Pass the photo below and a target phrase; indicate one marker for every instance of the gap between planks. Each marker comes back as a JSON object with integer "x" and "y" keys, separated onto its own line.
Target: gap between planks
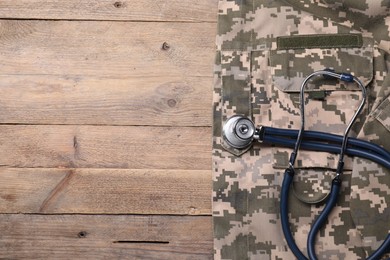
{"x": 144, "y": 10}
{"x": 107, "y": 20}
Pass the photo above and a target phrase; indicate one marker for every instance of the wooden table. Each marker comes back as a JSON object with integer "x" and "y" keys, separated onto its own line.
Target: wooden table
{"x": 105, "y": 129}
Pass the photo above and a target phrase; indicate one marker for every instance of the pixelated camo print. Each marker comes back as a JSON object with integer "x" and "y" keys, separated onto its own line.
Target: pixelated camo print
{"x": 254, "y": 77}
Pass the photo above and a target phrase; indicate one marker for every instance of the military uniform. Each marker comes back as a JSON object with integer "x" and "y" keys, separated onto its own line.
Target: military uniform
{"x": 265, "y": 49}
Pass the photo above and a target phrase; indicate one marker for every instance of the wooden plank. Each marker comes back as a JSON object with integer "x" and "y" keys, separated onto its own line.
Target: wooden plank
{"x": 143, "y": 10}
{"x": 169, "y": 101}
{"x": 105, "y": 237}
{"x": 128, "y": 147}
{"x": 105, "y": 191}
{"x": 111, "y": 49}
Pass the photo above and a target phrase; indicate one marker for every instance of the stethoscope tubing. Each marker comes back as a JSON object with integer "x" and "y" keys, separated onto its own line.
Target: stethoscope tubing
{"x": 383, "y": 249}
{"x": 319, "y": 222}
{"x": 331, "y": 202}
{"x": 378, "y": 156}
{"x": 327, "y": 137}
{"x": 235, "y": 135}
{"x": 287, "y": 180}
{"x": 330, "y": 148}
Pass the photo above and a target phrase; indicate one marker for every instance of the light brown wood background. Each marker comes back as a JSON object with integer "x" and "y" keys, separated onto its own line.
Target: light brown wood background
{"x": 105, "y": 137}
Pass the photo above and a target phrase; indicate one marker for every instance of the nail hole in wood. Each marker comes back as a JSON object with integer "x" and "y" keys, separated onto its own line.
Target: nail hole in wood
{"x": 118, "y": 4}
{"x": 165, "y": 46}
{"x": 82, "y": 234}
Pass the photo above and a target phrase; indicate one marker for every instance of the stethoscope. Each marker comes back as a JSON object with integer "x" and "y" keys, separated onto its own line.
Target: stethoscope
{"x": 239, "y": 132}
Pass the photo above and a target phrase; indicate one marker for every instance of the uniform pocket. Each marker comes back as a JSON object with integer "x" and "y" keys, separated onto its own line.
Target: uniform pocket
{"x": 329, "y": 106}
{"x": 290, "y": 67}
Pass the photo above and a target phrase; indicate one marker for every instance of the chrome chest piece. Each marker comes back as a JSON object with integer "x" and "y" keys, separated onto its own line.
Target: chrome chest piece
{"x": 239, "y": 132}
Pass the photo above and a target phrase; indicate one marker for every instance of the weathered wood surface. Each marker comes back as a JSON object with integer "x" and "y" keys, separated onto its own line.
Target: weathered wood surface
{"x": 112, "y": 49}
{"x": 105, "y": 191}
{"x": 129, "y": 147}
{"x": 159, "y": 101}
{"x": 97, "y": 118}
{"x": 67, "y": 72}
{"x": 104, "y": 237}
{"x": 142, "y": 10}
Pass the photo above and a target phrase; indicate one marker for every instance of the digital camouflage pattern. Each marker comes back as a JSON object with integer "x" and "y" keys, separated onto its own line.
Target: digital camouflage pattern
{"x": 257, "y": 78}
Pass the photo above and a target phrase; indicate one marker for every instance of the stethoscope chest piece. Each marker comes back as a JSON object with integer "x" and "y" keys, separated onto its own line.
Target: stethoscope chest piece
{"x": 238, "y": 132}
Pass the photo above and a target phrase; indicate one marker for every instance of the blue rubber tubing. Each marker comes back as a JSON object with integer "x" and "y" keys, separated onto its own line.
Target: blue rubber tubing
{"x": 288, "y": 177}
{"x": 287, "y": 180}
{"x": 319, "y": 222}
{"x": 383, "y": 249}
{"x": 330, "y": 148}
{"x": 326, "y": 137}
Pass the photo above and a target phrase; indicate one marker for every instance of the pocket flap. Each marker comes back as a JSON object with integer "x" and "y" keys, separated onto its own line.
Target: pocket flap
{"x": 291, "y": 66}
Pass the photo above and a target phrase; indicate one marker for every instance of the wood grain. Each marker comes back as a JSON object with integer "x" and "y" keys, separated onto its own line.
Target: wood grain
{"x": 105, "y": 191}
{"x": 142, "y": 10}
{"x": 97, "y": 118}
{"x": 106, "y": 49}
{"x": 128, "y": 147}
{"x": 105, "y": 237}
{"x": 160, "y": 101}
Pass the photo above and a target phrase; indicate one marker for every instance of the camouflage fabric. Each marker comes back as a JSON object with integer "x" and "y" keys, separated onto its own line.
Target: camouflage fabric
{"x": 257, "y": 77}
